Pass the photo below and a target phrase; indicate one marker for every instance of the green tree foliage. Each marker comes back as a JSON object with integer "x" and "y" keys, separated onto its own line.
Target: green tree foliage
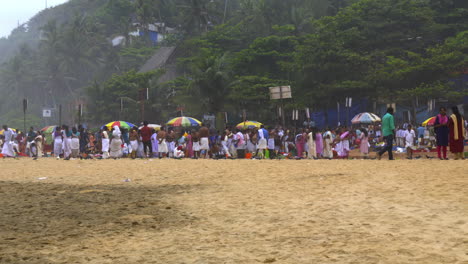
{"x": 119, "y": 98}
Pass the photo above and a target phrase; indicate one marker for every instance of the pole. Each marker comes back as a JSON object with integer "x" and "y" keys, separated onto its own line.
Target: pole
{"x": 79, "y": 114}
{"x": 142, "y": 102}
{"x": 338, "y": 107}
{"x": 60, "y": 115}
{"x": 347, "y": 110}
{"x": 282, "y": 106}
{"x": 121, "y": 108}
{"x": 225, "y": 10}
{"x": 244, "y": 116}
{"x": 25, "y": 106}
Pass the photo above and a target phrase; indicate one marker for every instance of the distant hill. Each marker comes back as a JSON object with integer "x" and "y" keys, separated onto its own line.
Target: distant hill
{"x": 29, "y": 32}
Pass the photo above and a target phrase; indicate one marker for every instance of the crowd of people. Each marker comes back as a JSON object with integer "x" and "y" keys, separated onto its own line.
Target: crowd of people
{"x": 250, "y": 143}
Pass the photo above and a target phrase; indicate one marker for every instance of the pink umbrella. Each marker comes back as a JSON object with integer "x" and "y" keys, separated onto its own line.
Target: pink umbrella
{"x": 344, "y": 135}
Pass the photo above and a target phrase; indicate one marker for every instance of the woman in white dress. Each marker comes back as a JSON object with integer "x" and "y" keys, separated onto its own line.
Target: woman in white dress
{"x": 224, "y": 144}
{"x": 134, "y": 137}
{"x": 116, "y": 143}
{"x": 75, "y": 143}
{"x": 58, "y": 142}
{"x": 38, "y": 141}
{"x": 66, "y": 133}
{"x": 7, "y": 149}
{"x": 327, "y": 145}
{"x": 105, "y": 143}
{"x": 311, "y": 152}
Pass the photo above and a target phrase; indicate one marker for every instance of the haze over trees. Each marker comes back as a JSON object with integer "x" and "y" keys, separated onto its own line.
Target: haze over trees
{"x": 230, "y": 52}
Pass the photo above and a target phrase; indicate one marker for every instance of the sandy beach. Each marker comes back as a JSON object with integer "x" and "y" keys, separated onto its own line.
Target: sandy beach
{"x": 233, "y": 211}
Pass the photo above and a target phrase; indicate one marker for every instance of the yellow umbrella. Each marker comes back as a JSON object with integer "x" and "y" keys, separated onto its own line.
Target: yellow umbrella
{"x": 249, "y": 124}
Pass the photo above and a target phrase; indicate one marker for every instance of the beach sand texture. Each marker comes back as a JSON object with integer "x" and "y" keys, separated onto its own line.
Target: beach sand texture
{"x": 233, "y": 211}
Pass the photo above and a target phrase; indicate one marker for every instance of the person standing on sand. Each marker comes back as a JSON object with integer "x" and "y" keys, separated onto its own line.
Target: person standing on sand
{"x": 134, "y": 142}
{"x": 67, "y": 134}
{"x": 262, "y": 141}
{"x": 311, "y": 143}
{"x": 409, "y": 137}
{"x": 105, "y": 143}
{"x": 327, "y": 145}
{"x": 318, "y": 143}
{"x": 170, "y": 137}
{"x": 196, "y": 144}
{"x": 457, "y": 133}
{"x": 442, "y": 133}
{"x": 154, "y": 143}
{"x": 84, "y": 139}
{"x": 7, "y": 150}
{"x": 239, "y": 143}
{"x": 204, "y": 141}
{"x": 39, "y": 143}
{"x": 31, "y": 135}
{"x": 58, "y": 140}
{"x": 75, "y": 143}
{"x": 162, "y": 145}
{"x": 388, "y": 132}
{"x": 189, "y": 144}
{"x": 300, "y": 142}
{"x": 145, "y": 132}
{"x": 271, "y": 143}
{"x": 364, "y": 144}
{"x": 116, "y": 143}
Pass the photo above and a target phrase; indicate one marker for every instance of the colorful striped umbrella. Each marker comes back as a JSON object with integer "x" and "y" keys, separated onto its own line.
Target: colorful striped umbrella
{"x": 184, "y": 121}
{"x": 153, "y": 126}
{"x": 48, "y": 129}
{"x": 365, "y": 118}
{"x": 429, "y": 121}
{"x": 120, "y": 124}
{"x": 249, "y": 124}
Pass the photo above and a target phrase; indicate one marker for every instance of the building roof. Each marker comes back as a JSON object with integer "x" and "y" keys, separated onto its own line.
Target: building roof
{"x": 158, "y": 60}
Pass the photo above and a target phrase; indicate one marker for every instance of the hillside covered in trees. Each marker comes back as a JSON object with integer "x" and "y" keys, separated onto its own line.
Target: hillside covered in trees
{"x": 229, "y": 52}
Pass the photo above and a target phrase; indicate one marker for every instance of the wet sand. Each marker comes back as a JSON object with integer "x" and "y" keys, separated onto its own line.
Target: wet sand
{"x": 233, "y": 211}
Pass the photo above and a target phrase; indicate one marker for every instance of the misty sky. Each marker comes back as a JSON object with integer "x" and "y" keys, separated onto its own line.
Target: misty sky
{"x": 12, "y": 11}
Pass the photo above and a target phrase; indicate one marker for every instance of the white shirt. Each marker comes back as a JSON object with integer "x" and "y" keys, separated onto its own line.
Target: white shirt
{"x": 8, "y": 135}
{"x": 261, "y": 134}
{"x": 409, "y": 136}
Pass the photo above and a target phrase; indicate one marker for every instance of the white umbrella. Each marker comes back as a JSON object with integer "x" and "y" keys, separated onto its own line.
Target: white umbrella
{"x": 153, "y": 126}
{"x": 365, "y": 118}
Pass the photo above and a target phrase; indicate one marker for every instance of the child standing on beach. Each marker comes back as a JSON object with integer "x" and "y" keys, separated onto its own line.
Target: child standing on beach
{"x": 364, "y": 144}
{"x": 409, "y": 136}
{"x": 327, "y": 145}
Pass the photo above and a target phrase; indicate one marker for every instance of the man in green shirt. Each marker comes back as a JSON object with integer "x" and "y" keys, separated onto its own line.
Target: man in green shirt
{"x": 388, "y": 133}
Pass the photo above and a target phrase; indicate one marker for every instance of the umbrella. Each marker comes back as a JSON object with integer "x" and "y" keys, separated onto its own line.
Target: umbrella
{"x": 249, "y": 124}
{"x": 1, "y": 131}
{"x": 153, "y": 126}
{"x": 120, "y": 124}
{"x": 345, "y": 134}
{"x": 48, "y": 129}
{"x": 365, "y": 118}
{"x": 429, "y": 121}
{"x": 184, "y": 122}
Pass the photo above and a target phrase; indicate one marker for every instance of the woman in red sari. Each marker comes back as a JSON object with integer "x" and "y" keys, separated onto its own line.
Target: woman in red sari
{"x": 457, "y": 133}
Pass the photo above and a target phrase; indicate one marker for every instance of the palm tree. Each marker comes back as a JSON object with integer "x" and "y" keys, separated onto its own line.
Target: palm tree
{"x": 212, "y": 80}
